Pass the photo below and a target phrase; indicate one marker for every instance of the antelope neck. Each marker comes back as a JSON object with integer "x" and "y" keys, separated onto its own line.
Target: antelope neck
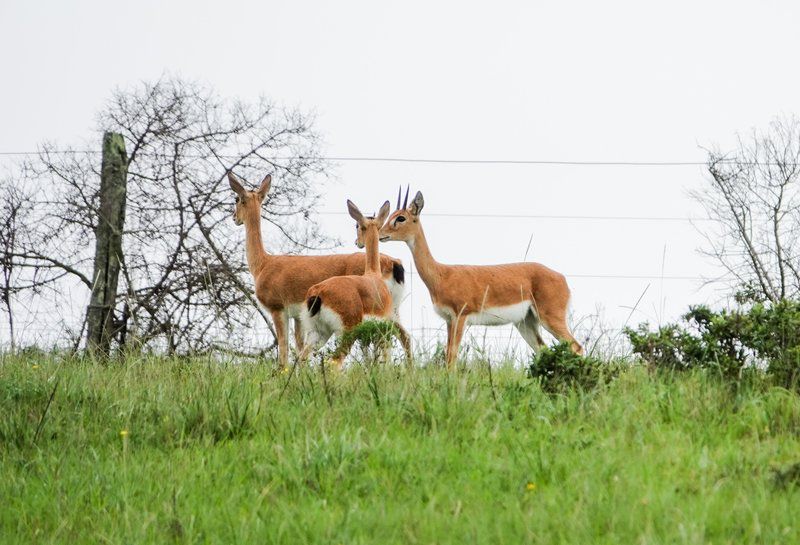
{"x": 256, "y": 255}
{"x": 427, "y": 266}
{"x": 373, "y": 265}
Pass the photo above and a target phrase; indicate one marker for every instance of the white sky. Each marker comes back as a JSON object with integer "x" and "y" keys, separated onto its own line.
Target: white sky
{"x": 603, "y": 81}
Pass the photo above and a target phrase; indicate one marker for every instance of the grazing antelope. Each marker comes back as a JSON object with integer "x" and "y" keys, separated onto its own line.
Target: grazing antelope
{"x": 281, "y": 281}
{"x": 523, "y": 294}
{"x": 339, "y": 304}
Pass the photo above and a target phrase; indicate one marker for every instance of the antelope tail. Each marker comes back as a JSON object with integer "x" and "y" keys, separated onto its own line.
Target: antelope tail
{"x": 314, "y": 303}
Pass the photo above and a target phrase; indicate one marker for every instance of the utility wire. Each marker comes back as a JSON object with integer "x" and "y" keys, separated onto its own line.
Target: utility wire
{"x": 54, "y": 152}
{"x": 427, "y": 160}
{"x": 517, "y": 161}
{"x": 625, "y": 276}
{"x": 546, "y": 216}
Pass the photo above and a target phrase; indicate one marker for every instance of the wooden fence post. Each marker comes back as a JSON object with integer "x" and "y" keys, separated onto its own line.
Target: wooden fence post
{"x": 108, "y": 246}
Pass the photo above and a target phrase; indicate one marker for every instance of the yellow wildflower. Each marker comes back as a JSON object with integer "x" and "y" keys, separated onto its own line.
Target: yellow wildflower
{"x": 34, "y": 366}
{"x": 123, "y": 433}
{"x": 530, "y": 487}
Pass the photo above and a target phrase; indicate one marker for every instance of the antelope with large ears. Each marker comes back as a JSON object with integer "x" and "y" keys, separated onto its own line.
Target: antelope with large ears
{"x": 281, "y": 281}
{"x": 339, "y": 304}
{"x": 524, "y": 294}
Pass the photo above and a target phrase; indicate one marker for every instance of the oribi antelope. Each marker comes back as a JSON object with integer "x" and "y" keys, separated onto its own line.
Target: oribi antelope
{"x": 338, "y": 304}
{"x": 281, "y": 281}
{"x": 524, "y": 294}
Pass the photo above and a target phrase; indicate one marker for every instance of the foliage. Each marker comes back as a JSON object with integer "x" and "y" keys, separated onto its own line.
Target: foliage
{"x": 765, "y": 335}
{"x": 559, "y": 369}
{"x": 152, "y": 450}
{"x": 369, "y": 335}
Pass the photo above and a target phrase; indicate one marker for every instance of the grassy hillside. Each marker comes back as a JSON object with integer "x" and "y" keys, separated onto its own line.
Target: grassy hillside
{"x": 159, "y": 450}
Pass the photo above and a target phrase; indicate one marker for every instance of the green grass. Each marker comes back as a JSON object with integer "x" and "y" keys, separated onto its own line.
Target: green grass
{"x": 221, "y": 453}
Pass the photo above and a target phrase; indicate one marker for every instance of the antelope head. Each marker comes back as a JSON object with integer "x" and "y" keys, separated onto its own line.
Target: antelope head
{"x": 248, "y": 203}
{"x": 363, "y": 223}
{"x": 404, "y": 224}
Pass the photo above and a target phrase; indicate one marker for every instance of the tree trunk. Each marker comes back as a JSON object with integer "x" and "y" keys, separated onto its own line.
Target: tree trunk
{"x": 108, "y": 247}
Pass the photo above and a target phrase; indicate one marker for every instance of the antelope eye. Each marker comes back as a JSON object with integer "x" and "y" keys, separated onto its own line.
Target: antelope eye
{"x": 400, "y": 219}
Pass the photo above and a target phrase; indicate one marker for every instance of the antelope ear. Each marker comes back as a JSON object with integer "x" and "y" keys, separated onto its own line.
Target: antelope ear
{"x": 265, "y": 185}
{"x": 417, "y": 204}
{"x": 355, "y": 213}
{"x": 383, "y": 213}
{"x": 236, "y": 186}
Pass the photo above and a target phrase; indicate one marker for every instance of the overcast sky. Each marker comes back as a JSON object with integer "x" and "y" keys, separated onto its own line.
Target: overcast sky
{"x": 585, "y": 81}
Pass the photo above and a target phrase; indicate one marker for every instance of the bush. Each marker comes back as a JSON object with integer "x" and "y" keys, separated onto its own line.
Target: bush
{"x": 559, "y": 369}
{"x": 763, "y": 336}
{"x": 374, "y": 335}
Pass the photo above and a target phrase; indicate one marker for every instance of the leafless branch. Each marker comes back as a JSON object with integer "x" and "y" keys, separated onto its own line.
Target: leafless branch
{"x": 754, "y": 196}
{"x": 184, "y": 283}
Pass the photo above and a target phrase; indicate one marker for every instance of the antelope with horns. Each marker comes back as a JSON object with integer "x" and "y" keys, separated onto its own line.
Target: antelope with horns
{"x": 339, "y": 304}
{"x": 523, "y": 294}
{"x": 281, "y": 281}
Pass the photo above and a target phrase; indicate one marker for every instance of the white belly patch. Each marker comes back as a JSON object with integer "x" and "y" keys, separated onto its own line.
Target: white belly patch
{"x": 510, "y": 314}
{"x": 397, "y": 291}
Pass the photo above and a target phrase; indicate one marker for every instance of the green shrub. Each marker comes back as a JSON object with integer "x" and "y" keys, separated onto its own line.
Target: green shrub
{"x": 666, "y": 347}
{"x": 370, "y": 335}
{"x": 764, "y": 336}
{"x": 558, "y": 369}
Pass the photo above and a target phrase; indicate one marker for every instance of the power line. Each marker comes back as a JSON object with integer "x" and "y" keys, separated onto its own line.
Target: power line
{"x": 625, "y": 276}
{"x": 516, "y": 161}
{"x": 635, "y": 277}
{"x": 429, "y": 160}
{"x": 547, "y": 217}
{"x": 54, "y": 152}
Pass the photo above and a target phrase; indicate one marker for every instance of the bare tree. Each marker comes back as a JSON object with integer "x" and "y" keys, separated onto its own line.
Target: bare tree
{"x": 754, "y": 196}
{"x": 183, "y": 274}
{"x": 13, "y": 213}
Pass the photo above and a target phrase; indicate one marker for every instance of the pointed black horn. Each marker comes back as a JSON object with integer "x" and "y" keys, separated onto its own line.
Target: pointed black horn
{"x": 399, "y": 191}
{"x": 405, "y": 202}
